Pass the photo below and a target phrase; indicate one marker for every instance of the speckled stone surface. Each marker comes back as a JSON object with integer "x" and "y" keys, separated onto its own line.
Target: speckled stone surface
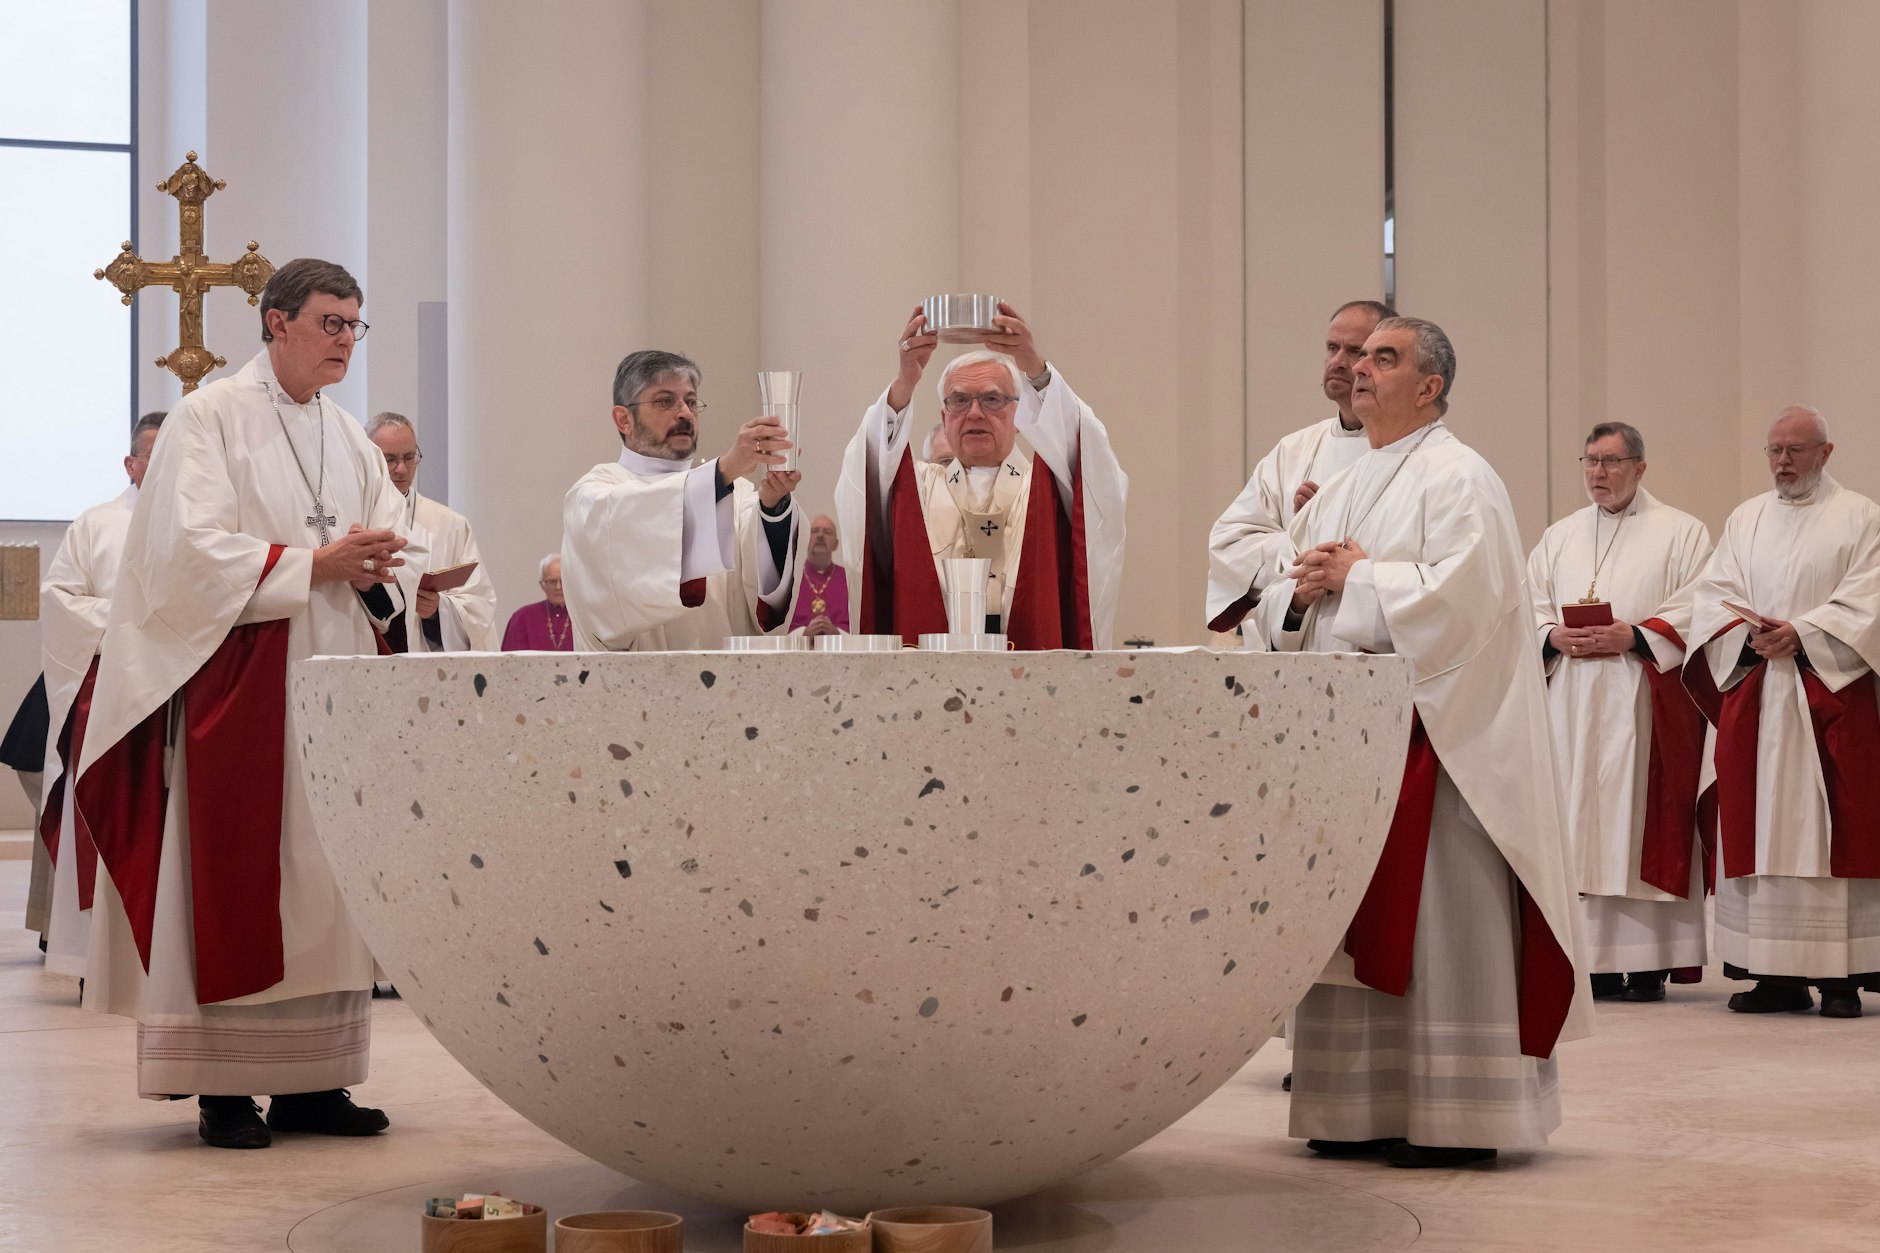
{"x": 853, "y": 930}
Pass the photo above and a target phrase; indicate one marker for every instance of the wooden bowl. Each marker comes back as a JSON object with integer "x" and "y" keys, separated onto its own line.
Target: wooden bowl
{"x": 620, "y": 1231}
{"x": 835, "y": 1242}
{"x": 527, "y": 1234}
{"x": 932, "y": 1229}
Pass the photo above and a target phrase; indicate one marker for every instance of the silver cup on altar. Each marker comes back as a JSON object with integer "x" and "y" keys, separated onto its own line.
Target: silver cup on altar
{"x": 780, "y": 391}
{"x": 964, "y": 583}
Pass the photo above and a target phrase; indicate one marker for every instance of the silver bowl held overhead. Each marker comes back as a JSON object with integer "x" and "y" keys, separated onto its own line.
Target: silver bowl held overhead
{"x": 961, "y": 318}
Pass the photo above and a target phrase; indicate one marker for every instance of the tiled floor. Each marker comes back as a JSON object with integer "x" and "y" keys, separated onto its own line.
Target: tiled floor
{"x": 1687, "y": 1127}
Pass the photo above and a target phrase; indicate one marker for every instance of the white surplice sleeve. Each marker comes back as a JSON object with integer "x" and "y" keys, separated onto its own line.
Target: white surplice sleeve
{"x": 624, "y": 550}
{"x": 1066, "y": 435}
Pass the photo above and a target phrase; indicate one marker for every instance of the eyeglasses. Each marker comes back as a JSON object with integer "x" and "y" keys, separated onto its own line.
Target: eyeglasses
{"x": 1607, "y": 463}
{"x": 396, "y": 459}
{"x": 670, "y": 404}
{"x": 990, "y": 403}
{"x": 333, "y": 324}
{"x": 1795, "y": 451}
{"x": 551, "y": 583}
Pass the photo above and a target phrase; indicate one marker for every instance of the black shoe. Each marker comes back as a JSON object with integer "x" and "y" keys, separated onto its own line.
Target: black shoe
{"x": 1607, "y": 987}
{"x": 232, "y": 1122}
{"x": 1285, "y": 1085}
{"x": 1646, "y": 985}
{"x": 329, "y": 1113}
{"x": 1772, "y": 998}
{"x": 1841, "y": 1001}
{"x": 1426, "y": 1157}
{"x": 1353, "y": 1148}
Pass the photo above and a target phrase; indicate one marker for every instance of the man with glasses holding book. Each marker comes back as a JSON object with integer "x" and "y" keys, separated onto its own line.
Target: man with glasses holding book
{"x": 1053, "y": 534}
{"x": 1609, "y": 584}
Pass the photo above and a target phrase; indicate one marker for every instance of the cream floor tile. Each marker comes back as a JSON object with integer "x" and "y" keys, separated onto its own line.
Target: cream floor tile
{"x": 1687, "y": 1127}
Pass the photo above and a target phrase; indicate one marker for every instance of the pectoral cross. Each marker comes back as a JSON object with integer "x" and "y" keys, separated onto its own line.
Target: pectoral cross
{"x": 189, "y": 273}
{"x": 989, "y": 528}
{"x": 320, "y": 522}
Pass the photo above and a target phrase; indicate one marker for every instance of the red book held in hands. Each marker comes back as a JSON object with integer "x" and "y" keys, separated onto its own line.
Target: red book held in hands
{"x": 449, "y": 579}
{"x": 1578, "y": 614}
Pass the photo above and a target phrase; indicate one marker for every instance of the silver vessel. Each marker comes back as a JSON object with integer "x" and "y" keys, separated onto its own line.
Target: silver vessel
{"x": 961, "y": 318}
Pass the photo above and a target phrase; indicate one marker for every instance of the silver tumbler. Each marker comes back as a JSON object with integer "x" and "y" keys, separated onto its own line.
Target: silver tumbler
{"x": 780, "y": 392}
{"x": 965, "y": 589}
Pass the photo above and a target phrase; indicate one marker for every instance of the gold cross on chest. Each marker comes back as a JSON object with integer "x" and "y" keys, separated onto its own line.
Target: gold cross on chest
{"x": 189, "y": 273}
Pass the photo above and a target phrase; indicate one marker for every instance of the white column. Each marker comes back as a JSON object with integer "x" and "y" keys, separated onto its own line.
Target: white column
{"x": 1471, "y": 187}
{"x": 1840, "y": 182}
{"x": 407, "y": 98}
{"x": 547, "y": 261}
{"x": 860, "y": 204}
{"x": 285, "y": 104}
{"x": 1315, "y": 197}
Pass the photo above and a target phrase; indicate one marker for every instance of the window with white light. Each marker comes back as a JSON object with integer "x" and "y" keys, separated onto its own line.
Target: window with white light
{"x": 68, "y": 170}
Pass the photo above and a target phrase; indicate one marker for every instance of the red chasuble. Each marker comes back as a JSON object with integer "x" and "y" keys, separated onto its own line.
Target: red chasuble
{"x": 234, "y": 717}
{"x": 1050, "y": 591}
{"x": 1383, "y": 930}
{"x": 1671, "y": 781}
{"x": 1847, "y": 740}
{"x": 71, "y": 744}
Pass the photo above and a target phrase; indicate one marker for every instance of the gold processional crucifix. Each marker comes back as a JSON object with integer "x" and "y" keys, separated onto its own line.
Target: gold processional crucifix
{"x": 190, "y": 273}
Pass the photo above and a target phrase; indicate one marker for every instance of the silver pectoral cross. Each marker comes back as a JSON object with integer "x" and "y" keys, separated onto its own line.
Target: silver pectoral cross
{"x": 320, "y": 522}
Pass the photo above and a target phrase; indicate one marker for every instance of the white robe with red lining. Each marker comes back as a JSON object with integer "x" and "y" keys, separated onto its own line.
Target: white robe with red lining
{"x": 221, "y": 490}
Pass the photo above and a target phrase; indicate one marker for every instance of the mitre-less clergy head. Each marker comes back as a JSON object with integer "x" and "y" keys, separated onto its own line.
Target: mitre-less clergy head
{"x": 1403, "y": 380}
{"x": 822, "y": 541}
{"x": 398, "y": 440}
{"x": 978, "y": 392}
{"x": 1614, "y": 462}
{"x": 936, "y": 449}
{"x": 1798, "y": 451}
{"x": 310, "y": 323}
{"x": 1351, "y": 325}
{"x": 657, "y": 412}
{"x": 143, "y": 439}
{"x": 550, "y": 580}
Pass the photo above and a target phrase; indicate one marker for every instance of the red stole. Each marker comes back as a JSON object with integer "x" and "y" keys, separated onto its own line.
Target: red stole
{"x": 71, "y": 746}
{"x": 1050, "y": 592}
{"x": 1677, "y": 759}
{"x": 234, "y": 723}
{"x": 1383, "y": 930}
{"x": 1847, "y": 739}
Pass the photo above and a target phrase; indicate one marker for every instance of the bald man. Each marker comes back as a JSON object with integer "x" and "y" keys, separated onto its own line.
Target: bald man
{"x": 1785, "y": 639}
{"x": 822, "y": 603}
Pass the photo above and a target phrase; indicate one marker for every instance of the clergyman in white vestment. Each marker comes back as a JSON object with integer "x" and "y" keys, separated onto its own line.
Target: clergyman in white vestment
{"x": 1798, "y": 734}
{"x": 76, "y": 603}
{"x": 658, "y": 553}
{"x": 1054, "y": 541}
{"x": 455, "y": 620}
{"x": 1245, "y": 538}
{"x": 266, "y": 523}
{"x": 1430, "y": 1038}
{"x": 1628, "y": 742}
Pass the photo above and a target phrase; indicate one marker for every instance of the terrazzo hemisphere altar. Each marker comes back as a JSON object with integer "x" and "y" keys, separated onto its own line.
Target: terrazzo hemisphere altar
{"x": 852, "y": 930}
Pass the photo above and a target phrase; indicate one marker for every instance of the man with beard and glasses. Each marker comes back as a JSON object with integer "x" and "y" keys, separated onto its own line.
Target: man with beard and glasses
{"x": 659, "y": 553}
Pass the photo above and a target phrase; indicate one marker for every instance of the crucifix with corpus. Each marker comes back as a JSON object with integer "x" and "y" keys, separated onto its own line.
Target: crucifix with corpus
{"x": 189, "y": 273}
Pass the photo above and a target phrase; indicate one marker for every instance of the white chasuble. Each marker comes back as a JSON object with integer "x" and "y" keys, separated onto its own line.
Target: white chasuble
{"x": 466, "y": 616}
{"x": 1814, "y": 562}
{"x": 75, "y": 602}
{"x": 1245, "y": 539}
{"x": 234, "y": 473}
{"x": 988, "y": 514}
{"x": 654, "y": 559}
{"x": 1646, "y": 556}
{"x": 1442, "y": 584}
{"x": 1600, "y": 707}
